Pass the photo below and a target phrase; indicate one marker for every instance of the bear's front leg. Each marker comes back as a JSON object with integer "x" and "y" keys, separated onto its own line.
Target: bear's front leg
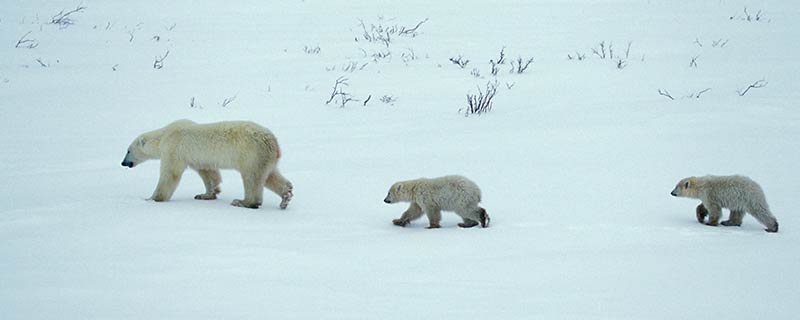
{"x": 734, "y": 219}
{"x": 211, "y": 179}
{"x": 413, "y": 212}
{"x": 714, "y": 213}
{"x": 434, "y": 217}
{"x": 701, "y": 213}
{"x": 168, "y": 180}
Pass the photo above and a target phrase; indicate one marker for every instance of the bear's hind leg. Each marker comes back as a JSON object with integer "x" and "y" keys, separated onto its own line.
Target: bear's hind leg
{"x": 734, "y": 219}
{"x": 253, "y": 190}
{"x": 280, "y": 186}
{"x": 470, "y": 216}
{"x": 211, "y": 179}
{"x": 412, "y": 213}
{"x": 434, "y": 217}
{"x": 766, "y": 218}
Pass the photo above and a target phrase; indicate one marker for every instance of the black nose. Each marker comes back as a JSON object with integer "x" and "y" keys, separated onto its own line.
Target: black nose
{"x": 387, "y": 201}
{"x": 127, "y": 164}
{"x": 673, "y": 194}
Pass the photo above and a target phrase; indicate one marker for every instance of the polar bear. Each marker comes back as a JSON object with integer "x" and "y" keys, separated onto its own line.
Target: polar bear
{"x": 242, "y": 145}
{"x": 737, "y": 193}
{"x": 431, "y": 196}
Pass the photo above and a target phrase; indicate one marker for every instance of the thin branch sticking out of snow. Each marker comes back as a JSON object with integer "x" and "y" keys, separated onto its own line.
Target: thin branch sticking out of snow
{"x": 755, "y": 85}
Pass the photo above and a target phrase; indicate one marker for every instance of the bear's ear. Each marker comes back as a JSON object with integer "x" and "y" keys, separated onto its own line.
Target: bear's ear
{"x": 690, "y": 182}
{"x": 141, "y": 141}
{"x": 399, "y": 187}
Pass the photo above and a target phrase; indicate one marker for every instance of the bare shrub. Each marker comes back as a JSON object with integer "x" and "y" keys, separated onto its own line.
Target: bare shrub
{"x": 387, "y": 99}
{"x": 475, "y": 73}
{"x": 519, "y": 66}
{"x": 384, "y": 34}
{"x": 338, "y": 93}
{"x": 311, "y": 50}
{"x": 604, "y": 51}
{"x": 63, "y": 18}
{"x": 749, "y": 17}
{"x": 481, "y": 102}
{"x": 720, "y": 43}
{"x": 693, "y": 63}
{"x": 460, "y": 61}
{"x": 578, "y": 56}
{"x": 24, "y": 42}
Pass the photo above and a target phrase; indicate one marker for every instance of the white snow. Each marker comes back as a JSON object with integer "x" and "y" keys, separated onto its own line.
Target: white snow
{"x": 576, "y": 160}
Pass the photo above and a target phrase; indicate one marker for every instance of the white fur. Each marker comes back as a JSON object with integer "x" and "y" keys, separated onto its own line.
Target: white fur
{"x": 431, "y": 196}
{"x": 241, "y": 145}
{"x": 737, "y": 193}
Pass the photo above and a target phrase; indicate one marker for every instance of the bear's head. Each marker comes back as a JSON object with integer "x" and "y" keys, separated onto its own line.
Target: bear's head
{"x": 685, "y": 188}
{"x": 397, "y": 193}
{"x": 143, "y": 148}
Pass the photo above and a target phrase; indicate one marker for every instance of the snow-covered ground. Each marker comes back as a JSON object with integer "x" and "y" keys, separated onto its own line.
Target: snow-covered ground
{"x": 576, "y": 160}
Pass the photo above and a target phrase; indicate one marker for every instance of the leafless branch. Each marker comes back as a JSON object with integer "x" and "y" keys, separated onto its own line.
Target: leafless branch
{"x": 665, "y": 93}
{"x": 693, "y": 63}
{"x": 42, "y": 63}
{"x": 502, "y": 58}
{"x": 701, "y": 92}
{"x": 621, "y": 64}
{"x": 159, "y": 62}
{"x": 578, "y": 56}
{"x": 475, "y": 73}
{"x": 755, "y": 85}
{"x": 600, "y": 51}
{"x": 338, "y": 92}
{"x": 719, "y": 43}
{"x": 387, "y": 99}
{"x": 63, "y": 18}
{"x": 24, "y": 42}
{"x": 412, "y": 32}
{"x": 311, "y": 50}
{"x": 520, "y": 65}
{"x": 628, "y": 50}
{"x": 227, "y": 101}
{"x": 367, "y": 100}
{"x": 461, "y": 62}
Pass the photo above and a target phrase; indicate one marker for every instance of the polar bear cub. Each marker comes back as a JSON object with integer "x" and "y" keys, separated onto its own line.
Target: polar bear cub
{"x": 242, "y": 145}
{"x": 431, "y": 196}
{"x": 737, "y": 193}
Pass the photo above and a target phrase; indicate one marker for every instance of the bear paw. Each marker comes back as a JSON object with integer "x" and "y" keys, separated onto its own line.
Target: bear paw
{"x": 285, "y": 198}
{"x": 400, "y": 222}
{"x": 206, "y": 196}
{"x": 468, "y": 224}
{"x": 243, "y": 204}
{"x": 701, "y": 212}
{"x": 729, "y": 223}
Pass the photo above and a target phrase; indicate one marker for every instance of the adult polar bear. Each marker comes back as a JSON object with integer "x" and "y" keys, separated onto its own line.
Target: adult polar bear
{"x": 242, "y": 145}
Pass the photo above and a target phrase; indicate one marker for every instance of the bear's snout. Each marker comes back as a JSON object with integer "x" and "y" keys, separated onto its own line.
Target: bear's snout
{"x": 673, "y": 194}
{"x": 387, "y": 200}
{"x": 128, "y": 164}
